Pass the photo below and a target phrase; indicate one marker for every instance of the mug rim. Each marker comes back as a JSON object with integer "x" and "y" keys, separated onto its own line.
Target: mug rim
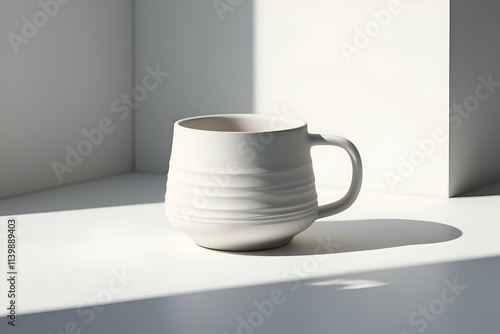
{"x": 297, "y": 123}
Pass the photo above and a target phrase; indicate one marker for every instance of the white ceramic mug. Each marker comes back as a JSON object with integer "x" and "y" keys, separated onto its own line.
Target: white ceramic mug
{"x": 245, "y": 181}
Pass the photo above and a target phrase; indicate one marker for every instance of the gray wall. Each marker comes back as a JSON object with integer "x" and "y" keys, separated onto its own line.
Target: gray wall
{"x": 474, "y": 135}
{"x": 65, "y": 77}
{"x": 62, "y": 80}
{"x": 210, "y": 64}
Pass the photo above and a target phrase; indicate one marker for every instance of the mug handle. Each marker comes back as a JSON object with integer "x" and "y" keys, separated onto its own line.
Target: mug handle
{"x": 357, "y": 173}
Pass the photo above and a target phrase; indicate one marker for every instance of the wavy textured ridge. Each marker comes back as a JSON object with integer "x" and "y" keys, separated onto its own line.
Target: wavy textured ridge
{"x": 189, "y": 218}
{"x": 271, "y": 197}
{"x": 271, "y": 179}
{"x": 255, "y": 172}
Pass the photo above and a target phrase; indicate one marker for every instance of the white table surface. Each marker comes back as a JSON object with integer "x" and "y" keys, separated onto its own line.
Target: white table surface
{"x": 385, "y": 258}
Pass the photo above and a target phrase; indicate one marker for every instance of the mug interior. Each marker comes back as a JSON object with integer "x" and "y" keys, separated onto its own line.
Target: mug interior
{"x": 247, "y": 123}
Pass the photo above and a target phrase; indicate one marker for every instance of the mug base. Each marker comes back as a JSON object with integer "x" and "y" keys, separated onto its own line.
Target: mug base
{"x": 247, "y": 247}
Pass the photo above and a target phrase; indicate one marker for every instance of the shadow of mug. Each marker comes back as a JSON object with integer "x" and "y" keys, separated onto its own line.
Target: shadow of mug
{"x": 327, "y": 237}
